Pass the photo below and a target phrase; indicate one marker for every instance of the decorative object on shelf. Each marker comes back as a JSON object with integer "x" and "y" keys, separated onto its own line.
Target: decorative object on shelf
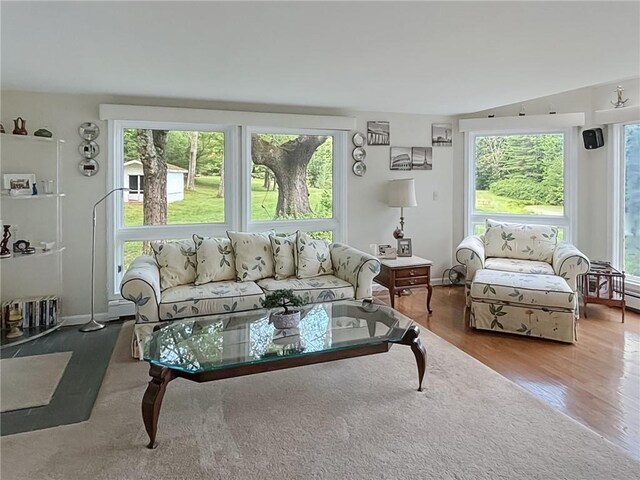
{"x": 93, "y": 325}
{"x": 359, "y": 169}
{"x": 14, "y": 321}
{"x": 34, "y": 188}
{"x": 401, "y": 194}
{"x": 43, "y": 132}
{"x": 421, "y": 158}
{"x": 442, "y": 134}
{"x": 89, "y": 131}
{"x": 387, "y": 251}
{"x": 400, "y": 158}
{"x": 359, "y": 154}
{"x": 2, "y": 128}
{"x": 404, "y": 247}
{"x": 23, "y": 247}
{"x": 6, "y": 235}
{"x": 378, "y": 133}
{"x": 22, "y": 183}
{"x": 283, "y": 299}
{"x": 358, "y": 139}
{"x": 47, "y": 186}
{"x": 20, "y": 126}
{"x": 89, "y": 149}
{"x": 88, "y": 167}
{"x": 619, "y": 103}
{"x": 47, "y": 246}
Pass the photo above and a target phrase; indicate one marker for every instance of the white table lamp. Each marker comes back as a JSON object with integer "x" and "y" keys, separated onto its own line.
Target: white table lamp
{"x": 402, "y": 194}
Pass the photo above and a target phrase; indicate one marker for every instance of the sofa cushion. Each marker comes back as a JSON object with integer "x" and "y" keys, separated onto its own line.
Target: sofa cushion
{"x": 176, "y": 261}
{"x": 284, "y": 255}
{"x": 520, "y": 266}
{"x": 215, "y": 260}
{"x": 209, "y": 299}
{"x": 312, "y": 257}
{"x": 313, "y": 290}
{"x": 254, "y": 255}
{"x": 520, "y": 241}
{"x": 506, "y": 288}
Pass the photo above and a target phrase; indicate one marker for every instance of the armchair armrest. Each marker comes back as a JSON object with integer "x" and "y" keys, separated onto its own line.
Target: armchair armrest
{"x": 141, "y": 285}
{"x": 356, "y": 267}
{"x": 470, "y": 253}
{"x": 569, "y": 262}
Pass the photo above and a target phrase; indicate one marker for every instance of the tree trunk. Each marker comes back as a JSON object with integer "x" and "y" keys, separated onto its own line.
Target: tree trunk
{"x": 191, "y": 176}
{"x": 151, "y": 145}
{"x": 267, "y": 180}
{"x": 221, "y": 184}
{"x": 288, "y": 163}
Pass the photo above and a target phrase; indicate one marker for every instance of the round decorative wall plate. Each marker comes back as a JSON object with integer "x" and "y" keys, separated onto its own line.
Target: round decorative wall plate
{"x": 358, "y": 139}
{"x": 89, "y": 131}
{"x": 88, "y": 167}
{"x": 359, "y": 168}
{"x": 89, "y": 149}
{"x": 359, "y": 154}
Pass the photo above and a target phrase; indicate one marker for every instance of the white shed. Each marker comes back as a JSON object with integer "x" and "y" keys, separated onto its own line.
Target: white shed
{"x": 134, "y": 179}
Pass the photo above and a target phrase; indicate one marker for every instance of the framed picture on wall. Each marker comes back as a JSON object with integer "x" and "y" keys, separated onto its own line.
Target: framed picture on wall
{"x": 421, "y": 158}
{"x": 404, "y": 247}
{"x": 378, "y": 133}
{"x": 441, "y": 135}
{"x": 400, "y": 158}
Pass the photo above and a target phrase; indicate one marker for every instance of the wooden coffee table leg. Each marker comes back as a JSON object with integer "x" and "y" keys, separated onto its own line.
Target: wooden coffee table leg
{"x": 429, "y": 292}
{"x": 152, "y": 400}
{"x": 419, "y": 351}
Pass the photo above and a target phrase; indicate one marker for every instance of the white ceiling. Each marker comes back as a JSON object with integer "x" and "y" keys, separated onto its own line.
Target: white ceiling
{"x": 421, "y": 57}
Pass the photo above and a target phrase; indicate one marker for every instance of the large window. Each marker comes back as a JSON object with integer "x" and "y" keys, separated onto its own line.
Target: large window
{"x": 519, "y": 177}
{"x": 187, "y": 179}
{"x": 631, "y": 239}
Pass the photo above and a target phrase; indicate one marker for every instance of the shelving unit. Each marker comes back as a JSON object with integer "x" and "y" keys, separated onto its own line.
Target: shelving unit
{"x": 38, "y": 219}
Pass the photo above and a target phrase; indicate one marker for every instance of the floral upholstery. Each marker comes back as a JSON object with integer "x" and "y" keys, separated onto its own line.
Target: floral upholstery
{"x": 356, "y": 267}
{"x": 284, "y": 255}
{"x": 569, "y": 262}
{"x": 518, "y": 266}
{"x": 520, "y": 241}
{"x": 312, "y": 257}
{"x": 548, "y": 291}
{"x": 253, "y": 253}
{"x": 215, "y": 260}
{"x": 177, "y": 262}
{"x": 141, "y": 285}
{"x": 470, "y": 253}
{"x": 209, "y": 299}
{"x": 325, "y": 288}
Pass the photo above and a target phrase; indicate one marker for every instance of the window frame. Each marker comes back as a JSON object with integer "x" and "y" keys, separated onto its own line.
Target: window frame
{"x": 567, "y": 221}
{"x": 337, "y": 223}
{"x": 617, "y": 201}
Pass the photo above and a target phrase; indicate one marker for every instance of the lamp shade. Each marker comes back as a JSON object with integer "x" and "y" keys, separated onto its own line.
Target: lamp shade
{"x": 402, "y": 193}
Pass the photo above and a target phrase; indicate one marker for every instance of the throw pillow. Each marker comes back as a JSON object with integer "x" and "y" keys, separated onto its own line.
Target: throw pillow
{"x": 177, "y": 262}
{"x": 254, "y": 255}
{"x": 313, "y": 257}
{"x": 520, "y": 241}
{"x": 283, "y": 255}
{"x": 215, "y": 260}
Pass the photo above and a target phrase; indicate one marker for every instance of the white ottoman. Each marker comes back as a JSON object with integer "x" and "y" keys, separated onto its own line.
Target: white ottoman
{"x": 524, "y": 304}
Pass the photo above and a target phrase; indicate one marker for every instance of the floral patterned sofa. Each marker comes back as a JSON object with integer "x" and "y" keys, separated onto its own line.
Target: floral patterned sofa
{"x": 522, "y": 280}
{"x": 209, "y": 276}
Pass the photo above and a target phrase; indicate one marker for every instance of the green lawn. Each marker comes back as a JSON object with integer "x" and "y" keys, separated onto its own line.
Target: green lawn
{"x": 203, "y": 205}
{"x": 487, "y": 202}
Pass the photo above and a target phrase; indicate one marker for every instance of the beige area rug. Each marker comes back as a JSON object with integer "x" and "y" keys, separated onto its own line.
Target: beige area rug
{"x": 353, "y": 419}
{"x": 31, "y": 381}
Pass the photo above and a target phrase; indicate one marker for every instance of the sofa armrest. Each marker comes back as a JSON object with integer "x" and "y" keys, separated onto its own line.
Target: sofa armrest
{"x": 141, "y": 285}
{"x": 356, "y": 267}
{"x": 470, "y": 253}
{"x": 569, "y": 262}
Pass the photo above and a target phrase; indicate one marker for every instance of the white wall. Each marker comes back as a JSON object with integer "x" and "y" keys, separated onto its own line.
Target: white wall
{"x": 370, "y": 220}
{"x": 593, "y": 165}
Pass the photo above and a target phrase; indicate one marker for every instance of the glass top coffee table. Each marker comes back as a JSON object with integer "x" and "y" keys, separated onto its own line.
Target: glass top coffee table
{"x": 204, "y": 349}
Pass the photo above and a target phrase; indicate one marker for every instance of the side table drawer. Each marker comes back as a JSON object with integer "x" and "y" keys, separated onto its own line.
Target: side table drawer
{"x": 412, "y": 272}
{"x": 411, "y": 281}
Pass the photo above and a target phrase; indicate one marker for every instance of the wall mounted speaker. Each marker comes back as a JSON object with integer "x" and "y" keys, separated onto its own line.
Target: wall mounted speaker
{"x": 592, "y": 138}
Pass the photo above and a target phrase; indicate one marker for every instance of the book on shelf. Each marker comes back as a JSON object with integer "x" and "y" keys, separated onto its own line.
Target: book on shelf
{"x": 37, "y": 312}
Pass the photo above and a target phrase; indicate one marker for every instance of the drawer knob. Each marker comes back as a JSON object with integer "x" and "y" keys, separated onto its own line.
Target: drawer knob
{"x": 412, "y": 272}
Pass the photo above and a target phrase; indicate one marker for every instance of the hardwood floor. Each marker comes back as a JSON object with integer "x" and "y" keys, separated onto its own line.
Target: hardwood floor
{"x": 596, "y": 381}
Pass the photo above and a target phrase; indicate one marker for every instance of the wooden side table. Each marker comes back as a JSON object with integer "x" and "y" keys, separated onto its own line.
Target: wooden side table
{"x": 405, "y": 273}
{"x": 602, "y": 284}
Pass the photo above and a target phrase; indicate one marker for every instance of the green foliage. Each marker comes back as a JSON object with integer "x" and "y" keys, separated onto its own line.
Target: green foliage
{"x": 632, "y": 199}
{"x": 282, "y": 298}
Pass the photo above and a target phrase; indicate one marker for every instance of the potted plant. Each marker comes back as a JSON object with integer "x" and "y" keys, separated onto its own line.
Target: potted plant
{"x": 287, "y": 318}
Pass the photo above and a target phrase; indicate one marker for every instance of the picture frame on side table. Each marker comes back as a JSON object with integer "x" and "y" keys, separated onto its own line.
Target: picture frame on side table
{"x": 404, "y": 247}
{"x": 386, "y": 251}
{"x": 19, "y": 183}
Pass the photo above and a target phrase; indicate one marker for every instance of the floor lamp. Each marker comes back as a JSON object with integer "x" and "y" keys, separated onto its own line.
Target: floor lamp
{"x": 93, "y": 325}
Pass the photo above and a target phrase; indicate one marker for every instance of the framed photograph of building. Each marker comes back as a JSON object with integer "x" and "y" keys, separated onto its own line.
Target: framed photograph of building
{"x": 441, "y": 135}
{"x": 421, "y": 158}
{"x": 400, "y": 158}
{"x": 404, "y": 247}
{"x": 378, "y": 133}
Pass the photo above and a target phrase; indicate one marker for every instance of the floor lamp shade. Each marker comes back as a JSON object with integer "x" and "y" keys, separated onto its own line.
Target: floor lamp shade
{"x": 402, "y": 193}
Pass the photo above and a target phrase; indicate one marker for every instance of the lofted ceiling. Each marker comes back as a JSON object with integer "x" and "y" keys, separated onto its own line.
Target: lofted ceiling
{"x": 420, "y": 57}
